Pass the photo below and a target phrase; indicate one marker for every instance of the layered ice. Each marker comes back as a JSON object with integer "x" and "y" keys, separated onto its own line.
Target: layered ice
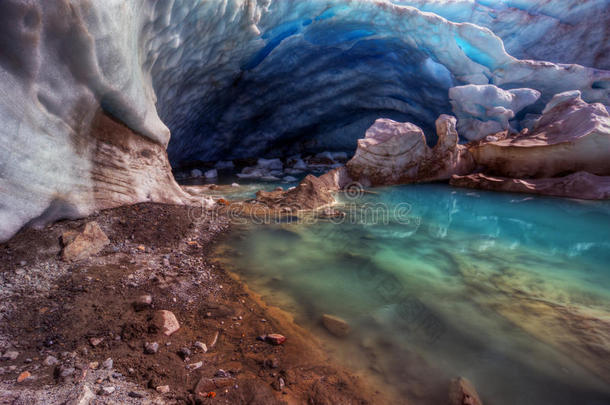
{"x": 484, "y": 110}
{"x": 243, "y": 78}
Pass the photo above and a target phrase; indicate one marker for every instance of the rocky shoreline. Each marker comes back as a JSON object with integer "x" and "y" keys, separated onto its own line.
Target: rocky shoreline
{"x": 94, "y": 330}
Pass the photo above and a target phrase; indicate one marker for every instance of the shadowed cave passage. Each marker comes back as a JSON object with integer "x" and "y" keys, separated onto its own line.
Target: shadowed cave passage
{"x": 309, "y": 89}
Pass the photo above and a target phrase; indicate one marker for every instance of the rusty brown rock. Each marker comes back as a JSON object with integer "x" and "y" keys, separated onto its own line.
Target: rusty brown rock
{"x": 166, "y": 322}
{"x": 335, "y": 325}
{"x": 462, "y": 392}
{"x": 84, "y": 244}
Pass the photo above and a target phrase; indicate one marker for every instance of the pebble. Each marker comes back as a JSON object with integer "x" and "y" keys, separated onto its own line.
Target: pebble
{"x": 335, "y": 325}
{"x": 166, "y": 321}
{"x": 163, "y": 389}
{"x": 94, "y": 365}
{"x": 222, "y": 373}
{"x": 184, "y": 352}
{"x": 107, "y": 390}
{"x": 10, "y": 355}
{"x": 23, "y": 376}
{"x": 66, "y": 371}
{"x": 134, "y": 394}
{"x": 201, "y": 346}
{"x": 50, "y": 361}
{"x": 151, "y": 348}
{"x": 194, "y": 366}
{"x": 275, "y": 339}
{"x": 142, "y": 302}
{"x": 95, "y": 341}
{"x": 108, "y": 363}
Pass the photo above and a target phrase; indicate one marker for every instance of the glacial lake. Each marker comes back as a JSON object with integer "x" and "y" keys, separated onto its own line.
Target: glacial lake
{"x": 508, "y": 290}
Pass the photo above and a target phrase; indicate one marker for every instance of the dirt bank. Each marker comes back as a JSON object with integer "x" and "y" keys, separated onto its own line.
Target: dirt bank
{"x": 65, "y": 320}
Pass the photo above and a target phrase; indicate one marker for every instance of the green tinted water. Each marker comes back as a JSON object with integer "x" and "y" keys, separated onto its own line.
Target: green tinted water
{"x": 509, "y": 291}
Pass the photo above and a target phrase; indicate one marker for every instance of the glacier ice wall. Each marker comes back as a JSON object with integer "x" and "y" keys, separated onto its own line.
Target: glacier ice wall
{"x": 313, "y": 75}
{"x": 549, "y": 30}
{"x": 236, "y": 78}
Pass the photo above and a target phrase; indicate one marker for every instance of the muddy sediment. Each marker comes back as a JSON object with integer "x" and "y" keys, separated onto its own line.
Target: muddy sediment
{"x": 66, "y": 319}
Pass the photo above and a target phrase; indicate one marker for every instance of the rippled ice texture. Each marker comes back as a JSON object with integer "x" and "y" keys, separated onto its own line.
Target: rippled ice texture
{"x": 511, "y": 292}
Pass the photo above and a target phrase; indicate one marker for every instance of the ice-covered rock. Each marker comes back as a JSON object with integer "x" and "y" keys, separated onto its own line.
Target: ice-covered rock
{"x": 211, "y": 174}
{"x": 483, "y": 110}
{"x": 571, "y": 136}
{"x": 196, "y": 173}
{"x": 397, "y": 153}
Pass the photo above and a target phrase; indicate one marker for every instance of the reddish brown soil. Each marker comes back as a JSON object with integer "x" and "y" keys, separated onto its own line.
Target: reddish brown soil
{"x": 58, "y": 307}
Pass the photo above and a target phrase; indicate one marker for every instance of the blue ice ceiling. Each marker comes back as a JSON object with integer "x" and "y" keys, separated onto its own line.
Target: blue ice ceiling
{"x": 269, "y": 78}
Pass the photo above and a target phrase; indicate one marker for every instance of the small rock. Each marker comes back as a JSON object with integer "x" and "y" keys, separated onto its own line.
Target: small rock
{"x": 65, "y": 372}
{"x": 108, "y": 363}
{"x": 272, "y": 363}
{"x": 107, "y": 390}
{"x": 10, "y": 355}
{"x": 222, "y": 373}
{"x": 462, "y": 392}
{"x": 201, "y": 346}
{"x": 279, "y": 384}
{"x": 275, "y": 339}
{"x": 184, "y": 352}
{"x": 163, "y": 389}
{"x": 166, "y": 262}
{"x": 84, "y": 244}
{"x": 133, "y": 394}
{"x": 166, "y": 322}
{"x": 94, "y": 365}
{"x": 28, "y": 360}
{"x": 211, "y": 384}
{"x": 142, "y": 302}
{"x": 151, "y": 347}
{"x": 23, "y": 376}
{"x": 50, "y": 361}
{"x": 95, "y": 341}
{"x": 194, "y": 366}
{"x": 211, "y": 174}
{"x": 85, "y": 397}
{"x": 335, "y": 325}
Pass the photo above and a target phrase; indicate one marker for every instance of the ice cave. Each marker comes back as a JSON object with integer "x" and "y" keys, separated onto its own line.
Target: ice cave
{"x": 196, "y": 193}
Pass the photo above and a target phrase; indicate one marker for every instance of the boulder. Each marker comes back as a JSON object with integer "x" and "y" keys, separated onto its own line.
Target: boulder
{"x": 166, "y": 322}
{"x": 311, "y": 193}
{"x": 335, "y": 325}
{"x": 397, "y": 153}
{"x": 84, "y": 244}
{"x": 462, "y": 392}
{"x": 570, "y": 136}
